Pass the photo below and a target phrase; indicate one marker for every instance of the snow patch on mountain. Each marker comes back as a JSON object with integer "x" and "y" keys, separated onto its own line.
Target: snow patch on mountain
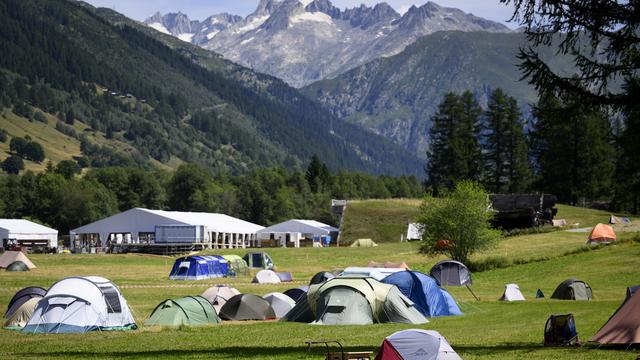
{"x": 160, "y": 27}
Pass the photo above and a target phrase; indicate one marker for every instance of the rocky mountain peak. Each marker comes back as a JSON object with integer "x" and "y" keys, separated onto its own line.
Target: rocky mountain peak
{"x": 324, "y": 6}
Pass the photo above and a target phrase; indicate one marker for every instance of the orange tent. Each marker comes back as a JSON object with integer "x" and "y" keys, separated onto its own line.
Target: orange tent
{"x": 602, "y": 234}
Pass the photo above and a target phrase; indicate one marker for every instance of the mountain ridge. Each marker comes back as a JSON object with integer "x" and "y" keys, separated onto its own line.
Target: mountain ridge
{"x": 305, "y": 42}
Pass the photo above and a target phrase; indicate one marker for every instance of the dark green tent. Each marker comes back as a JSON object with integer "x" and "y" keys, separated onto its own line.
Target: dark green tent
{"x": 189, "y": 310}
{"x": 573, "y": 289}
{"x": 17, "y": 266}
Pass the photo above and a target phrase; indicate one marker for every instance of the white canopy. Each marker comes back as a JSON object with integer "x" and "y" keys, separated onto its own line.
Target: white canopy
{"x": 300, "y": 226}
{"x": 21, "y": 229}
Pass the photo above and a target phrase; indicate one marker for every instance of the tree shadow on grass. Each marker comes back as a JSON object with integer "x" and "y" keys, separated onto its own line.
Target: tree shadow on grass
{"x": 290, "y": 352}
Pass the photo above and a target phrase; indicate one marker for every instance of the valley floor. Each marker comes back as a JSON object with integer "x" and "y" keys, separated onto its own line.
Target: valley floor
{"x": 488, "y": 330}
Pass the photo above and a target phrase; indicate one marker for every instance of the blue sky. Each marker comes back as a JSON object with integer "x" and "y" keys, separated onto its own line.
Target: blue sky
{"x": 200, "y": 9}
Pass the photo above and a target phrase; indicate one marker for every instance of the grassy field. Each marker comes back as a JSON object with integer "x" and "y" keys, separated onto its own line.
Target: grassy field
{"x": 488, "y": 330}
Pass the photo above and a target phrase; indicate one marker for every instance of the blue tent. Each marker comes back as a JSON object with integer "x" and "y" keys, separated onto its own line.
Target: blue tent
{"x": 199, "y": 268}
{"x": 424, "y": 291}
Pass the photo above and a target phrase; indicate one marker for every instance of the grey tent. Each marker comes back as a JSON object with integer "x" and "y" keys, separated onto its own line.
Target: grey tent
{"x": 21, "y": 316}
{"x": 451, "y": 273}
{"x": 539, "y": 294}
{"x": 355, "y": 301}
{"x": 321, "y": 277}
{"x": 22, "y": 296}
{"x": 17, "y": 266}
{"x": 259, "y": 260}
{"x": 572, "y": 289}
{"x": 632, "y": 290}
{"x": 247, "y": 307}
{"x": 297, "y": 293}
{"x": 280, "y": 303}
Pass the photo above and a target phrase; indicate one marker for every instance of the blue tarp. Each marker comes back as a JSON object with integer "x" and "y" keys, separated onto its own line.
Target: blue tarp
{"x": 199, "y": 268}
{"x": 424, "y": 291}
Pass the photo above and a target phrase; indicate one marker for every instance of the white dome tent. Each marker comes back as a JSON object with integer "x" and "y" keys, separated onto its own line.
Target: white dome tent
{"x": 512, "y": 293}
{"x": 280, "y": 303}
{"x": 266, "y": 277}
{"x": 81, "y": 304}
{"x": 416, "y": 344}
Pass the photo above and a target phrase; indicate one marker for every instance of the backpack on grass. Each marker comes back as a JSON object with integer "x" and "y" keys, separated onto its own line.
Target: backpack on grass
{"x": 560, "y": 330}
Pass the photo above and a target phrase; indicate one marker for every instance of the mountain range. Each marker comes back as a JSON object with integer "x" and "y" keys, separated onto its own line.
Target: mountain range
{"x": 123, "y": 93}
{"x": 302, "y": 42}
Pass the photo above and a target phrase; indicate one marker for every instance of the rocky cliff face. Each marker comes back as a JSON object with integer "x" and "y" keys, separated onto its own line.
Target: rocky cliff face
{"x": 302, "y": 42}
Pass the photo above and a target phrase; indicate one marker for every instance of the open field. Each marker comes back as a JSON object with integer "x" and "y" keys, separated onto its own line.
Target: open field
{"x": 488, "y": 330}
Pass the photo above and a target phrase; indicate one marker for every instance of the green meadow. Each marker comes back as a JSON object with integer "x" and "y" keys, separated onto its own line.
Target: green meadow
{"x": 489, "y": 329}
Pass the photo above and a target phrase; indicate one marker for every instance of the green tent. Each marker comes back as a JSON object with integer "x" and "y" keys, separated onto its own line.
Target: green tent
{"x": 357, "y": 301}
{"x": 17, "y": 266}
{"x": 189, "y": 310}
{"x": 237, "y": 266}
{"x": 364, "y": 243}
{"x": 572, "y": 289}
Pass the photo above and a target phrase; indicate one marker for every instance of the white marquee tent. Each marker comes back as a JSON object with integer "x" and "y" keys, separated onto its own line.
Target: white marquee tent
{"x": 292, "y": 231}
{"x": 28, "y": 233}
{"x": 144, "y": 226}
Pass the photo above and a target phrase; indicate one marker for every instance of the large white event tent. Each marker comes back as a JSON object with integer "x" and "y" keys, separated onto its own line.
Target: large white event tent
{"x": 144, "y": 226}
{"x": 292, "y": 231}
{"x": 27, "y": 233}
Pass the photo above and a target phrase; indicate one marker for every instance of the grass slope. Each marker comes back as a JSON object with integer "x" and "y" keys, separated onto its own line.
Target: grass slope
{"x": 488, "y": 330}
{"x": 386, "y": 220}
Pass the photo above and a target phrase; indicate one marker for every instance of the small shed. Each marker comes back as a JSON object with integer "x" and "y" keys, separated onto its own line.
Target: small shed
{"x": 26, "y": 233}
{"x": 291, "y": 232}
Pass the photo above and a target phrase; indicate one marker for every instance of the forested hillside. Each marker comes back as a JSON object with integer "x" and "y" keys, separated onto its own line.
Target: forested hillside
{"x": 125, "y": 98}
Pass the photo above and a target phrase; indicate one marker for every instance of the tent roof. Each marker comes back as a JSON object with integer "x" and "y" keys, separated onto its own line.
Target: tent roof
{"x": 301, "y": 226}
{"x": 374, "y": 272}
{"x": 10, "y": 257}
{"x": 624, "y": 326}
{"x": 602, "y": 232}
{"x": 140, "y": 218}
{"x": 21, "y": 226}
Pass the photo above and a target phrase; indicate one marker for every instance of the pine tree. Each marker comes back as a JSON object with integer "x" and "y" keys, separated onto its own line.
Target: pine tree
{"x": 571, "y": 145}
{"x": 454, "y": 153}
{"x": 507, "y": 167}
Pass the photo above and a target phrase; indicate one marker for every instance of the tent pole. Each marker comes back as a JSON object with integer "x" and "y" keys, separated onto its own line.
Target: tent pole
{"x": 472, "y": 293}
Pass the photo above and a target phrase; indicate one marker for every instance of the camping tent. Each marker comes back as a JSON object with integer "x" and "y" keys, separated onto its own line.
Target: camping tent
{"x": 451, "y": 273}
{"x": 623, "y": 327}
{"x": 21, "y": 316}
{"x": 218, "y": 295}
{"x": 285, "y": 276}
{"x": 355, "y": 301}
{"x": 364, "y": 243}
{"x": 237, "y": 266}
{"x": 188, "y": 310}
{"x": 572, "y": 289}
{"x": 259, "y": 260}
{"x": 266, "y": 277}
{"x": 321, "y": 277}
{"x": 297, "y": 293}
{"x": 10, "y": 257}
{"x": 17, "y": 266}
{"x": 389, "y": 264}
{"x": 632, "y": 290}
{"x": 247, "y": 307}
{"x": 22, "y": 296}
{"x": 618, "y": 220}
{"x": 425, "y": 293}
{"x": 512, "y": 293}
{"x": 301, "y": 312}
{"x": 199, "y": 268}
{"x": 376, "y": 273}
{"x": 602, "y": 234}
{"x": 280, "y": 303}
{"x": 81, "y": 304}
{"x": 416, "y": 344}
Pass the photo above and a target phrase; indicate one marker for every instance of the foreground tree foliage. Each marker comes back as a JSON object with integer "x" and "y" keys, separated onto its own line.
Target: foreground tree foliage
{"x": 603, "y": 38}
{"x": 458, "y": 223}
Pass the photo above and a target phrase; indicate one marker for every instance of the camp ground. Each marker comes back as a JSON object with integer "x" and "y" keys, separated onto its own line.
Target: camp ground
{"x": 255, "y": 328}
